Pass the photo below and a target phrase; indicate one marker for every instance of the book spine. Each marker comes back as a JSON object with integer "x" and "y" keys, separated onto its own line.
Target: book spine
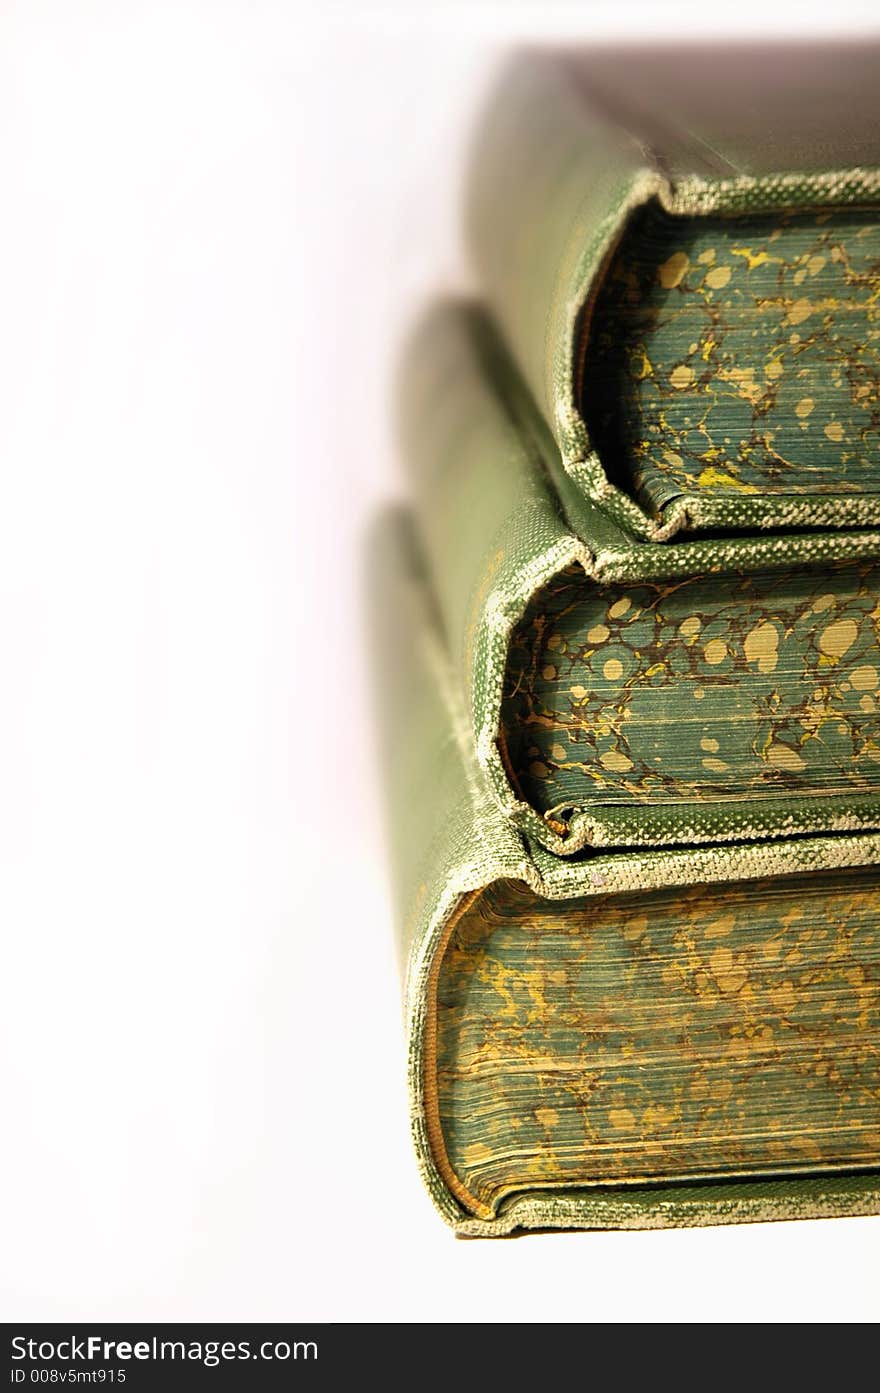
{"x": 552, "y": 182}
{"x": 446, "y": 839}
{"x": 443, "y": 829}
{"x": 490, "y": 522}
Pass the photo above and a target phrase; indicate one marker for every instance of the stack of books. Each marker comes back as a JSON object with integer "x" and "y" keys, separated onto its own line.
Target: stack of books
{"x": 629, "y": 637}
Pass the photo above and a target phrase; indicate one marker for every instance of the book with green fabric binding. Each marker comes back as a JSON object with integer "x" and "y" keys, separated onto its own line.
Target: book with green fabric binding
{"x": 628, "y": 1039}
{"x": 682, "y": 248}
{"x": 621, "y": 691}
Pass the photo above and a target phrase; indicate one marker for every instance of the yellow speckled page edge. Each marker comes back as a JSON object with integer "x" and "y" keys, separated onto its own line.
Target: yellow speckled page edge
{"x": 663, "y": 1036}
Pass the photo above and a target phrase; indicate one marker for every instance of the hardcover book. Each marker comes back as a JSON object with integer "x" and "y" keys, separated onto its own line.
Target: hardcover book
{"x": 683, "y": 251}
{"x": 622, "y": 692}
{"x": 631, "y": 1039}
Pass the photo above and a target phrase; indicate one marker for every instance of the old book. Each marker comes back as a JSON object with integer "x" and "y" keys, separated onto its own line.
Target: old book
{"x": 633, "y": 1039}
{"x": 623, "y": 692}
{"x": 683, "y": 251}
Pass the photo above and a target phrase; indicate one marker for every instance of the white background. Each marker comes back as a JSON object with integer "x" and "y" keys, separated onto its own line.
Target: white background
{"x": 215, "y": 220}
